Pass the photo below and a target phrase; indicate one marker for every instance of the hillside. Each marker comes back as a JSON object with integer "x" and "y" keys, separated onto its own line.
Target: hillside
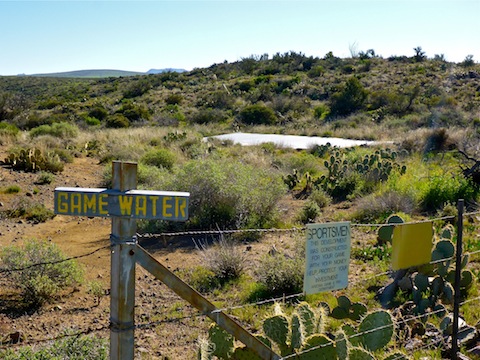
{"x": 89, "y": 74}
{"x": 290, "y": 92}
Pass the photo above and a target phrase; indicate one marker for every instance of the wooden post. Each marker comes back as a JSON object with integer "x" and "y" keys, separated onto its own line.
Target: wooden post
{"x": 458, "y": 272}
{"x": 122, "y": 290}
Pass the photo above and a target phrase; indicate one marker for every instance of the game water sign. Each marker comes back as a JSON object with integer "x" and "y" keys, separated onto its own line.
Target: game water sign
{"x": 327, "y": 257}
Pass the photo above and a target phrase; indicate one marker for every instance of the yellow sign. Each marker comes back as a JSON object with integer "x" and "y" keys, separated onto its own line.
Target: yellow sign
{"x": 411, "y": 245}
{"x": 138, "y": 204}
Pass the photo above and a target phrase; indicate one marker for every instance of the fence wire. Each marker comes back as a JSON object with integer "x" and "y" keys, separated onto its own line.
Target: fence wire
{"x": 93, "y": 329}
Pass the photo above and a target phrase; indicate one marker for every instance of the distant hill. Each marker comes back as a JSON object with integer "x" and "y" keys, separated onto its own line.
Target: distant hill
{"x": 103, "y": 73}
{"x": 159, "y": 71}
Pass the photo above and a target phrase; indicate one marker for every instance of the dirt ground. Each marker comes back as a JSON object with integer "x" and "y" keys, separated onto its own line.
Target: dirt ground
{"x": 88, "y": 239}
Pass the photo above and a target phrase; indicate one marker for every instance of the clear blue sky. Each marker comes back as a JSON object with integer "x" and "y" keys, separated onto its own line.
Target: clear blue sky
{"x": 55, "y": 36}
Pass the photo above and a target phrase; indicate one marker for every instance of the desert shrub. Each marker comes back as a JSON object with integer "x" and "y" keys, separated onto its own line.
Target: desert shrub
{"x": 201, "y": 279}
{"x": 12, "y": 189}
{"x": 225, "y": 260}
{"x": 443, "y": 189}
{"x": 377, "y": 207}
{"x": 309, "y": 212}
{"x": 98, "y": 112}
{"x": 320, "y": 112}
{"x": 228, "y": 194}
{"x": 161, "y": 158}
{"x": 438, "y": 140}
{"x": 137, "y": 88}
{"x": 258, "y": 114}
{"x": 279, "y": 275}
{"x": 71, "y": 346}
{"x": 91, "y": 121}
{"x": 44, "y": 177}
{"x": 39, "y": 271}
{"x": 117, "y": 121}
{"x": 7, "y": 129}
{"x": 61, "y": 130}
{"x": 209, "y": 115}
{"x": 134, "y": 112}
{"x": 320, "y": 197}
{"x": 348, "y": 99}
{"x": 30, "y": 210}
{"x": 174, "y": 99}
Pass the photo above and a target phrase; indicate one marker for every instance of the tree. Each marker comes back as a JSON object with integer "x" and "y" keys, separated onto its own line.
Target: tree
{"x": 349, "y": 99}
{"x": 468, "y": 62}
{"x": 419, "y": 54}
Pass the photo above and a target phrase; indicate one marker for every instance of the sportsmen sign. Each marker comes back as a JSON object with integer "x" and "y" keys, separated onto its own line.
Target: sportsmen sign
{"x": 136, "y": 204}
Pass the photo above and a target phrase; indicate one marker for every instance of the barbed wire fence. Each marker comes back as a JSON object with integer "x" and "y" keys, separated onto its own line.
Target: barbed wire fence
{"x": 99, "y": 328}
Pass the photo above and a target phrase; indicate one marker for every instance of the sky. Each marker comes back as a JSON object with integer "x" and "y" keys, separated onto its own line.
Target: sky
{"x": 56, "y": 36}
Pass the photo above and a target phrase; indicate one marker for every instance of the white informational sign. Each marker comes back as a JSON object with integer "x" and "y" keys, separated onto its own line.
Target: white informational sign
{"x": 327, "y": 257}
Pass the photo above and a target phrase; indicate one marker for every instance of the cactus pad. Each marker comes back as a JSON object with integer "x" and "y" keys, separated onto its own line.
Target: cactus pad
{"x": 276, "y": 328}
{"x": 322, "y": 348}
{"x": 376, "y": 330}
{"x": 358, "y": 353}
{"x": 222, "y": 342}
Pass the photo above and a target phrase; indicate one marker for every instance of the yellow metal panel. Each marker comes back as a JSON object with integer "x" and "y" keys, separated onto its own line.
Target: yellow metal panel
{"x": 411, "y": 245}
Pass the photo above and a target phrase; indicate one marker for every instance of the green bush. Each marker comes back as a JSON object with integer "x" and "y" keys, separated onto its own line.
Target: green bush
{"x": 7, "y": 129}
{"x": 98, "y": 112}
{"x": 225, "y": 260}
{"x": 44, "y": 178}
{"x": 174, "y": 99}
{"x": 229, "y": 194}
{"x": 71, "y": 346}
{"x": 310, "y": 211}
{"x": 320, "y": 197}
{"x": 12, "y": 189}
{"x": 348, "y": 99}
{"x": 117, "y": 121}
{"x": 258, "y": 114}
{"x": 31, "y": 211}
{"x": 209, "y": 115}
{"x": 279, "y": 275}
{"x": 134, "y": 112}
{"x": 445, "y": 189}
{"x": 61, "y": 130}
{"x": 38, "y": 271}
{"x": 161, "y": 158}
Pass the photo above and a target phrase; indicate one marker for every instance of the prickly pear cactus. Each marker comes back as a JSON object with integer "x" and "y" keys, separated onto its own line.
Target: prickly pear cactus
{"x": 357, "y": 353}
{"x": 385, "y": 232}
{"x": 348, "y": 310}
{"x": 223, "y": 342}
{"x": 205, "y": 349}
{"x": 277, "y": 329}
{"x": 376, "y": 330}
{"x": 342, "y": 345}
{"x": 318, "y": 347}
{"x": 396, "y": 356}
{"x": 244, "y": 353}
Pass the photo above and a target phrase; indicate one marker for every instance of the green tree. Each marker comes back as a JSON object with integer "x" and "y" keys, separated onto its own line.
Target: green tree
{"x": 348, "y": 99}
{"x": 258, "y": 114}
{"x": 419, "y": 54}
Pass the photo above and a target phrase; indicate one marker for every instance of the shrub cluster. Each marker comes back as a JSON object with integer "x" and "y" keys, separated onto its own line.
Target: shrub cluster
{"x": 39, "y": 271}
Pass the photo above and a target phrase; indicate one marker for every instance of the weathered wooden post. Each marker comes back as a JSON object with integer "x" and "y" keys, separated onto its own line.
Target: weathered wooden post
{"x": 122, "y": 274}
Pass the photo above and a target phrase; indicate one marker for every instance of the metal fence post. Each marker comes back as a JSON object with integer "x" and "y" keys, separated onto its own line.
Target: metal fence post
{"x": 458, "y": 265}
{"x": 122, "y": 290}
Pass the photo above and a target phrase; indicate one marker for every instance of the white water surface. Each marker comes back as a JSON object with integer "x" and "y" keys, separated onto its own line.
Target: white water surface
{"x": 291, "y": 141}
